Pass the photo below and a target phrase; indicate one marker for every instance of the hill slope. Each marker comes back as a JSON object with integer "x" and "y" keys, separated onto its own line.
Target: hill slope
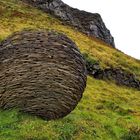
{"x": 89, "y": 23}
{"x": 16, "y": 16}
{"x": 106, "y": 112}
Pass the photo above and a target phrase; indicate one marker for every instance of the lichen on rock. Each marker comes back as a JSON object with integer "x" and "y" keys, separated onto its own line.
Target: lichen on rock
{"x": 42, "y": 73}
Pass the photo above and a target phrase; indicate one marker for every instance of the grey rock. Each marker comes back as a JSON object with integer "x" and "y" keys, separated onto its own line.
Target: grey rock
{"x": 88, "y": 23}
{"x": 119, "y": 76}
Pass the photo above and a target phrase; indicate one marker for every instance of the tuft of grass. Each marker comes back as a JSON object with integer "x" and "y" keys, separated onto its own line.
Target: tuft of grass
{"x": 89, "y": 59}
{"x": 132, "y": 134}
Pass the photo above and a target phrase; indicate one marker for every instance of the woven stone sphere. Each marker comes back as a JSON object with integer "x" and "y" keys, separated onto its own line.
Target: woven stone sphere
{"x": 41, "y": 73}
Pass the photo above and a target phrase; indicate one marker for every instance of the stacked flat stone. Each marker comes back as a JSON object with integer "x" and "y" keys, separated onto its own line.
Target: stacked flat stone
{"x": 42, "y": 73}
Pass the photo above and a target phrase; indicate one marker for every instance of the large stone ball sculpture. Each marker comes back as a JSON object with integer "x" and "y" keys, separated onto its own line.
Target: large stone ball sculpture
{"x": 41, "y": 73}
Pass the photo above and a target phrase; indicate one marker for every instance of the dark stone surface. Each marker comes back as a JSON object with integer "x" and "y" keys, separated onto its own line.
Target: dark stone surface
{"x": 88, "y": 23}
{"x": 42, "y": 73}
{"x": 92, "y": 65}
{"x": 118, "y": 75}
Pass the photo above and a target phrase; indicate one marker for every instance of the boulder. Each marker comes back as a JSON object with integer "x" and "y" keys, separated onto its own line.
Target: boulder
{"x": 42, "y": 73}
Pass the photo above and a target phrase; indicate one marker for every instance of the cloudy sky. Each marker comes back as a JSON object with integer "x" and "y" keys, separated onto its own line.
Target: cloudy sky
{"x": 122, "y": 18}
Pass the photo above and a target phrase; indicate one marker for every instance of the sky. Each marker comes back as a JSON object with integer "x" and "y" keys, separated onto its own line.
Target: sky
{"x": 121, "y": 17}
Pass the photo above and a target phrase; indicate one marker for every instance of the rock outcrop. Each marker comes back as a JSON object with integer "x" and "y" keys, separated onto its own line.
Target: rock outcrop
{"x": 117, "y": 75}
{"x": 42, "y": 73}
{"x": 88, "y": 23}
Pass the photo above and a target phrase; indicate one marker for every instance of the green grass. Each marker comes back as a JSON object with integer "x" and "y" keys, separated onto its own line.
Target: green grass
{"x": 106, "y": 111}
{"x": 16, "y": 16}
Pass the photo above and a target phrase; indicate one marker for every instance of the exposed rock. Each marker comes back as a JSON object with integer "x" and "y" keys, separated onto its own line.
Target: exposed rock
{"x": 118, "y": 75}
{"x": 88, "y": 23}
{"x": 42, "y": 73}
{"x": 92, "y": 65}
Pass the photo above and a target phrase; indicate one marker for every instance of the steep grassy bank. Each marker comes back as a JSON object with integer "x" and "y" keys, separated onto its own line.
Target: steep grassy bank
{"x": 16, "y": 16}
{"x": 106, "y": 111}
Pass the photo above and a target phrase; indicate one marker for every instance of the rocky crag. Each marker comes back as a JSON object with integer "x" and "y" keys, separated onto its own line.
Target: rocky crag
{"x": 120, "y": 76}
{"x": 117, "y": 75}
{"x": 42, "y": 73}
{"x": 88, "y": 23}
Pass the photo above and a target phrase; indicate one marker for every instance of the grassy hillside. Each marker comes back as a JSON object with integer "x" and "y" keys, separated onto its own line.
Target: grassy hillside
{"x": 15, "y": 16}
{"x": 106, "y": 111}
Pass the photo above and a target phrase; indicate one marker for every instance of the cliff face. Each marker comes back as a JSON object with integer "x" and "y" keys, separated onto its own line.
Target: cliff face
{"x": 88, "y": 23}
